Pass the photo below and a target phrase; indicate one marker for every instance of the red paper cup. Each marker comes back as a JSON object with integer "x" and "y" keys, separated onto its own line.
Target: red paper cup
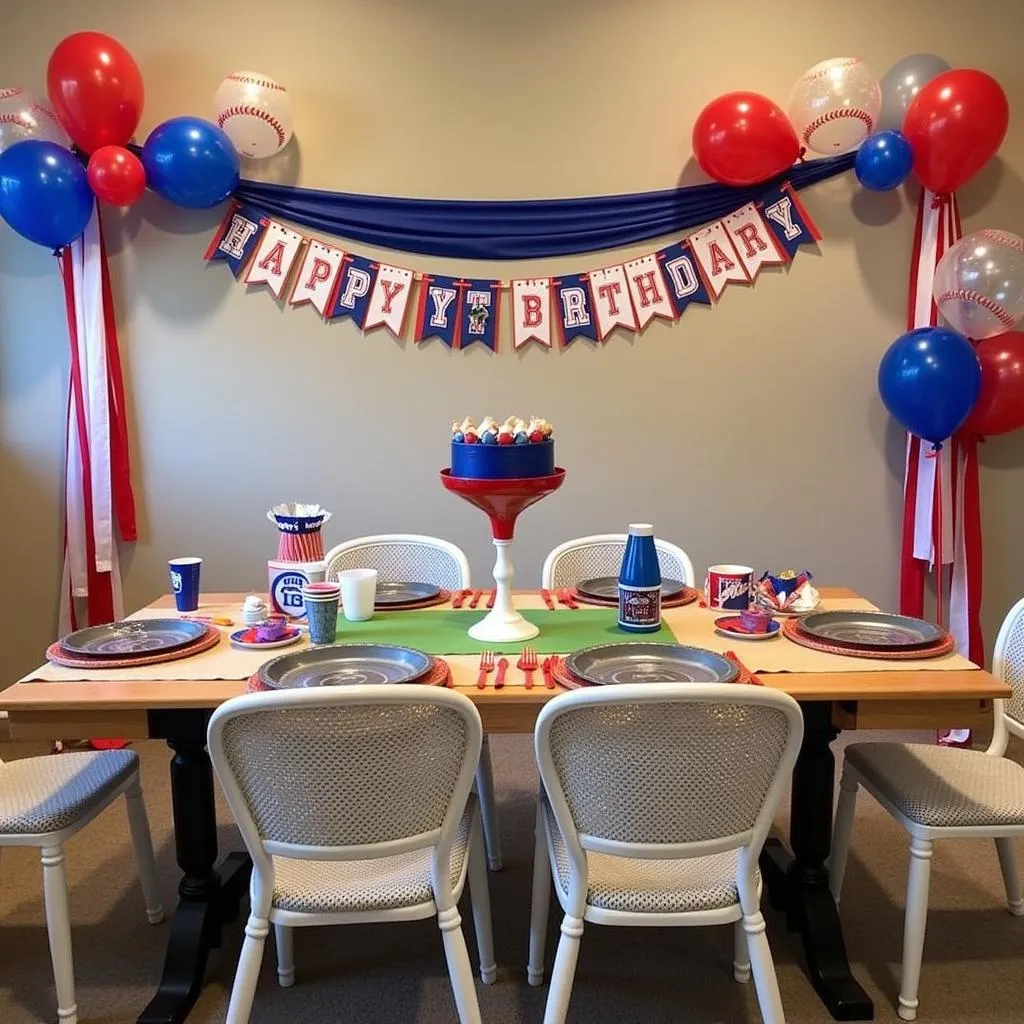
{"x": 728, "y": 587}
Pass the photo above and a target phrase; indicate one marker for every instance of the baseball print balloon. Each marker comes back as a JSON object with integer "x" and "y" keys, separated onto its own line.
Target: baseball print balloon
{"x": 255, "y": 112}
{"x": 23, "y": 116}
{"x": 979, "y": 284}
{"x": 835, "y": 105}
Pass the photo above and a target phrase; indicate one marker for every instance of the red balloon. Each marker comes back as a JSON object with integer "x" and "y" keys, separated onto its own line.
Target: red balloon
{"x": 116, "y": 176}
{"x": 96, "y": 89}
{"x": 743, "y": 138}
{"x": 955, "y": 124}
{"x": 1000, "y": 405}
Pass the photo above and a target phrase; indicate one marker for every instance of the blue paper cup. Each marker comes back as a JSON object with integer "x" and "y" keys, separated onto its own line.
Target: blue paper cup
{"x": 185, "y": 582}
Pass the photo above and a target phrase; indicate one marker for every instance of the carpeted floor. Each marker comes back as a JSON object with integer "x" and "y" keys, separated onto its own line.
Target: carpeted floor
{"x": 974, "y": 958}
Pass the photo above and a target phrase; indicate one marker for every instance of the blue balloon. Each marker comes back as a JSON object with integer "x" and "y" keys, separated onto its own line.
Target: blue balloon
{"x": 884, "y": 160}
{"x": 190, "y": 162}
{"x": 929, "y": 380}
{"x": 44, "y": 192}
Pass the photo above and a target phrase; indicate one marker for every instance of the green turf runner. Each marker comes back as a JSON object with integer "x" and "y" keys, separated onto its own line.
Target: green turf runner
{"x": 444, "y": 632}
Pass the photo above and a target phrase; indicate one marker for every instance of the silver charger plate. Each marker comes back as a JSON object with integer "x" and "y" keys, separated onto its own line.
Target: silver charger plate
{"x": 606, "y": 664}
{"x": 607, "y": 587}
{"x": 131, "y": 637}
{"x": 871, "y": 629}
{"x": 345, "y": 665}
{"x": 404, "y": 593}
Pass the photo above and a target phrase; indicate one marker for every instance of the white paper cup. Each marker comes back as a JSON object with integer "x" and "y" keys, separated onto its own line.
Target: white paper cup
{"x": 358, "y": 593}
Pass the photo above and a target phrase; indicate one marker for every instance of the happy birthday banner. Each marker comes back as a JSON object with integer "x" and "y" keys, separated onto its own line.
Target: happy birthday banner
{"x": 463, "y": 311}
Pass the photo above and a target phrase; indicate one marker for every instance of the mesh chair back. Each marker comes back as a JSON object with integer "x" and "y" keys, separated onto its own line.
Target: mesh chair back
{"x": 400, "y": 558}
{"x": 668, "y": 764}
{"x": 1008, "y": 661}
{"x": 601, "y": 555}
{"x": 346, "y": 766}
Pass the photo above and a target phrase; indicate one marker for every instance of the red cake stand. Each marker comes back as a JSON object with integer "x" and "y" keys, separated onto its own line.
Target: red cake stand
{"x": 503, "y": 500}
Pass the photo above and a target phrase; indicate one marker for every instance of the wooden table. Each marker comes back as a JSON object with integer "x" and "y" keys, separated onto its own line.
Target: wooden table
{"x": 209, "y": 895}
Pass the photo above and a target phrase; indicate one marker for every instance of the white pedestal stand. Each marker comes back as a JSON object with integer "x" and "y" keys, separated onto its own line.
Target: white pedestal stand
{"x": 503, "y": 624}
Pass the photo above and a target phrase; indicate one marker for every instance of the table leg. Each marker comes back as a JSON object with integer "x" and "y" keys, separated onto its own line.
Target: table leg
{"x": 208, "y": 896}
{"x": 797, "y": 882}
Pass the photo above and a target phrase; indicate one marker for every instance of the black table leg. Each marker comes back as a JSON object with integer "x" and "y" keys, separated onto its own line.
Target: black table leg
{"x": 797, "y": 882}
{"x": 208, "y": 896}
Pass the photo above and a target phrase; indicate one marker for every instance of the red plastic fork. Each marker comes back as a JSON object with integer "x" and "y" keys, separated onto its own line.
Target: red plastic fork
{"x": 528, "y": 664}
{"x": 486, "y": 666}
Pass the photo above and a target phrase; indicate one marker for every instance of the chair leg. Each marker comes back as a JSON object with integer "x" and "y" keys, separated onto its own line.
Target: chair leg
{"x": 284, "y": 943}
{"x": 138, "y": 824}
{"x": 488, "y": 806}
{"x": 58, "y": 928}
{"x": 243, "y": 991}
{"x": 841, "y": 830}
{"x": 564, "y": 970}
{"x": 480, "y": 896}
{"x": 914, "y": 925}
{"x": 741, "y": 954}
{"x": 1008, "y": 865}
{"x": 459, "y": 970}
{"x": 766, "y": 984}
{"x": 540, "y": 903}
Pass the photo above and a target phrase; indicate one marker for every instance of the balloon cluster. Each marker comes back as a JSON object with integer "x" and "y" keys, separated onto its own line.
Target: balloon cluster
{"x": 944, "y": 124}
{"x": 96, "y": 95}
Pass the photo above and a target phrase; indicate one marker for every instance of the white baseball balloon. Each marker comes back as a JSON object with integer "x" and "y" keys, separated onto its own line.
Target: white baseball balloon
{"x": 834, "y": 106}
{"x": 255, "y": 112}
{"x": 979, "y": 284}
{"x": 24, "y": 116}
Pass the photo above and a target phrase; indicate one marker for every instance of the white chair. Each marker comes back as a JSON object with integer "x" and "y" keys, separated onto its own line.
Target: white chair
{"x": 943, "y": 792}
{"x": 354, "y": 803}
{"x": 655, "y": 802}
{"x": 601, "y": 555}
{"x": 405, "y": 557}
{"x": 44, "y": 801}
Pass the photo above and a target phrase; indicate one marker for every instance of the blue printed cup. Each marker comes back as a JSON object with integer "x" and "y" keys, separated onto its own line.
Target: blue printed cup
{"x": 184, "y": 574}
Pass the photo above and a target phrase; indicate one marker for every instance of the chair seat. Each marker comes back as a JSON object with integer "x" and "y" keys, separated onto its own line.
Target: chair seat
{"x": 651, "y": 886}
{"x": 943, "y": 787}
{"x": 43, "y": 795}
{"x": 387, "y": 883}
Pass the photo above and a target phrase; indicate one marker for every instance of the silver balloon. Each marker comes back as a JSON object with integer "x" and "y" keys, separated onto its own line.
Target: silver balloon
{"x": 901, "y": 84}
{"x": 24, "y": 116}
{"x": 979, "y": 283}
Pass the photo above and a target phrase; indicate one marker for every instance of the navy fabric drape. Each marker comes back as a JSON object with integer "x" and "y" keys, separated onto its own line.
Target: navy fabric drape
{"x": 521, "y": 228}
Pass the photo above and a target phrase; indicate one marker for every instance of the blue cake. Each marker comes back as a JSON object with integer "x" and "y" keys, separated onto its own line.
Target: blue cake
{"x": 512, "y": 450}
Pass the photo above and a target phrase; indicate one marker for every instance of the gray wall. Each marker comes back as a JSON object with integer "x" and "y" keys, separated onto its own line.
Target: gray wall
{"x": 748, "y": 432}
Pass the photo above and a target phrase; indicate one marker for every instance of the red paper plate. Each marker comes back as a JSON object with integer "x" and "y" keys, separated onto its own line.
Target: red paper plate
{"x": 568, "y": 681}
{"x": 439, "y": 675}
{"x": 58, "y": 656}
{"x": 792, "y": 631}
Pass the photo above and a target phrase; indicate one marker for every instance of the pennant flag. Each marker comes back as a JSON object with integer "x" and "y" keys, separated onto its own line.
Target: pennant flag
{"x": 482, "y": 301}
{"x": 317, "y": 274}
{"x": 752, "y": 240}
{"x": 439, "y": 309}
{"x": 389, "y": 299}
{"x": 531, "y": 311}
{"x": 237, "y": 237}
{"x": 648, "y": 290}
{"x": 352, "y": 289}
{"x": 609, "y": 295}
{"x": 685, "y": 282}
{"x": 787, "y": 219}
{"x": 718, "y": 258}
{"x": 274, "y": 257}
{"x": 575, "y": 314}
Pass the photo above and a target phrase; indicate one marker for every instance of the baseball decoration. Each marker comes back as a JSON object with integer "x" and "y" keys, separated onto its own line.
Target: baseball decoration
{"x": 23, "y": 116}
{"x": 979, "y": 283}
{"x": 835, "y": 105}
{"x": 256, "y": 113}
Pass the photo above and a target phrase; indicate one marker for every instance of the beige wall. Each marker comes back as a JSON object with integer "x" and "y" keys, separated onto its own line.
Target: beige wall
{"x": 237, "y": 404}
